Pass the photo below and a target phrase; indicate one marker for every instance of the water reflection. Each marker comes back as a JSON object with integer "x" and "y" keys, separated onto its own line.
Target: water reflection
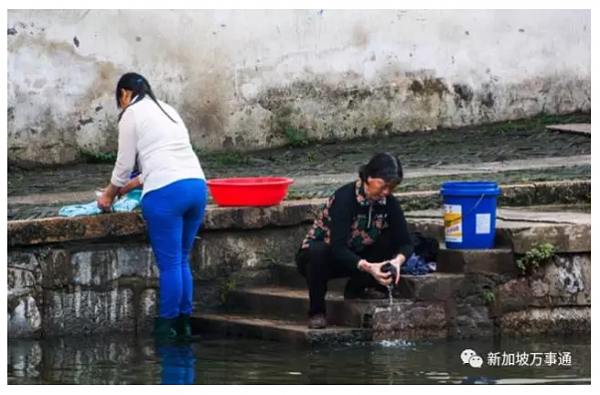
{"x": 478, "y": 380}
{"x": 129, "y": 360}
{"x": 177, "y": 364}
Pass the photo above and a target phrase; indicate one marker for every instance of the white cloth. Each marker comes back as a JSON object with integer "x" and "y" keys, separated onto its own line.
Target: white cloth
{"x": 163, "y": 149}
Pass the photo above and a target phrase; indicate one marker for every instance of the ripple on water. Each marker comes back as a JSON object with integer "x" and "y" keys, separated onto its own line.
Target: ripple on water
{"x": 396, "y": 343}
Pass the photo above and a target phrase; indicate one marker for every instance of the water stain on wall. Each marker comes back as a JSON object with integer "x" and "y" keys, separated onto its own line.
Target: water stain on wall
{"x": 57, "y": 138}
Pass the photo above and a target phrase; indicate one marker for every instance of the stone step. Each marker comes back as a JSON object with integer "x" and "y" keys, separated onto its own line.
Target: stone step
{"x": 288, "y": 276}
{"x": 495, "y": 261}
{"x": 435, "y": 286}
{"x": 521, "y": 229}
{"x": 431, "y": 287}
{"x": 290, "y": 303}
{"x": 577, "y": 128}
{"x": 275, "y": 329}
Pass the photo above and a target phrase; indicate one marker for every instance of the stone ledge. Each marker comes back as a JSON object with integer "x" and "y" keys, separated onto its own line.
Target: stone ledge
{"x": 521, "y": 230}
{"x": 60, "y": 230}
{"x": 431, "y": 287}
{"x": 521, "y": 237}
{"x": 481, "y": 261}
{"x": 410, "y": 320}
{"x": 566, "y": 281}
{"x": 288, "y": 213}
{"x": 557, "y": 320}
{"x": 57, "y": 230}
{"x": 275, "y": 329}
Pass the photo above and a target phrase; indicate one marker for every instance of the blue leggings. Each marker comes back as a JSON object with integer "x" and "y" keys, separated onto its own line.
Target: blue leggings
{"x": 173, "y": 215}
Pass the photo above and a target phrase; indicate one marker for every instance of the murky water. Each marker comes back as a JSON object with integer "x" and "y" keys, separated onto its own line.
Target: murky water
{"x": 110, "y": 360}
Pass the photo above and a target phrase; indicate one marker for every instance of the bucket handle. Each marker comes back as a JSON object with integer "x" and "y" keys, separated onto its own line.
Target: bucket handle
{"x": 473, "y": 208}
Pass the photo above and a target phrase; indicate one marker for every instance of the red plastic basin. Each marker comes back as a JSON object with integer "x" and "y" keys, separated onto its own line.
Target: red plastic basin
{"x": 249, "y": 191}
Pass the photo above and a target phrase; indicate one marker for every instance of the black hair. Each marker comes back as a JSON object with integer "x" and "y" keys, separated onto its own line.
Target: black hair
{"x": 140, "y": 87}
{"x": 383, "y": 165}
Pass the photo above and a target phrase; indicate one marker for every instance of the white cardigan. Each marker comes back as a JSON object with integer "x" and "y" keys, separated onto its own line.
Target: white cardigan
{"x": 163, "y": 149}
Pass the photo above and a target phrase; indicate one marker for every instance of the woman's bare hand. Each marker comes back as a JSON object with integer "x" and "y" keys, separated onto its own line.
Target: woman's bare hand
{"x": 374, "y": 269}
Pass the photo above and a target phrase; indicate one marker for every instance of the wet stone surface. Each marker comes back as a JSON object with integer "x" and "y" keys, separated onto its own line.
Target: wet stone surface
{"x": 327, "y": 187}
{"x": 423, "y": 149}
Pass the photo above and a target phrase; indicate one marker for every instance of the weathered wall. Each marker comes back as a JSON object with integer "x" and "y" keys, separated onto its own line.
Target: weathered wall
{"x": 97, "y": 273}
{"x": 95, "y": 288}
{"x": 243, "y": 78}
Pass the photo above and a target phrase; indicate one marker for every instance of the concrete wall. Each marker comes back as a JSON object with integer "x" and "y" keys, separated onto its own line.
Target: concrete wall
{"x": 242, "y": 78}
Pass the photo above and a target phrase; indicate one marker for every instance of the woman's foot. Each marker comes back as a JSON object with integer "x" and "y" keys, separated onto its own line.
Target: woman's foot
{"x": 184, "y": 327}
{"x": 317, "y": 322}
{"x": 165, "y": 328}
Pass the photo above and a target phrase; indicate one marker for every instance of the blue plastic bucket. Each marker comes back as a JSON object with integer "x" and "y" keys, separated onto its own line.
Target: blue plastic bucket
{"x": 470, "y": 214}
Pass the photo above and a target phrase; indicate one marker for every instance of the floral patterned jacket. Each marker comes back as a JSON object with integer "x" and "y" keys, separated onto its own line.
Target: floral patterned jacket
{"x": 350, "y": 222}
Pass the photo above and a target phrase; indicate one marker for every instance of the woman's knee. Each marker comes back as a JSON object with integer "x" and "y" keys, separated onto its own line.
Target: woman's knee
{"x": 316, "y": 255}
{"x": 318, "y": 252}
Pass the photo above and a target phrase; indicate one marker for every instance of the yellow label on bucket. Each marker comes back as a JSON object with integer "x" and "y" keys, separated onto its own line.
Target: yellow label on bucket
{"x": 453, "y": 223}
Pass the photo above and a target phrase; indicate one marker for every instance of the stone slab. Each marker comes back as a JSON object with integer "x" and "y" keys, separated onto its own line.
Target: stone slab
{"x": 550, "y": 321}
{"x": 429, "y": 287}
{"x": 407, "y": 320}
{"x": 131, "y": 225}
{"x": 272, "y": 329}
{"x": 521, "y": 230}
{"x": 484, "y": 261}
{"x": 291, "y": 303}
{"x": 564, "y": 282}
{"x": 578, "y": 128}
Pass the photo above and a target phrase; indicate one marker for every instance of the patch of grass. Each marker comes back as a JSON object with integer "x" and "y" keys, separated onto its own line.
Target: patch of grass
{"x": 99, "y": 157}
{"x": 322, "y": 190}
{"x": 281, "y": 124}
{"x": 296, "y": 138}
{"x": 382, "y": 123}
{"x": 505, "y": 178}
{"x": 538, "y": 123}
{"x": 488, "y": 297}
{"x": 536, "y": 257}
{"x": 420, "y": 203}
{"x": 226, "y": 287}
{"x": 222, "y": 158}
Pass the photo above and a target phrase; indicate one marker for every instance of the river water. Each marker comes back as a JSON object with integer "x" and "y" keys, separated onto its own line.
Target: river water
{"x": 130, "y": 360}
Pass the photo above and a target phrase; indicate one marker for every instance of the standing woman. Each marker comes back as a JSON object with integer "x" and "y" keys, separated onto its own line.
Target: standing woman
{"x": 174, "y": 192}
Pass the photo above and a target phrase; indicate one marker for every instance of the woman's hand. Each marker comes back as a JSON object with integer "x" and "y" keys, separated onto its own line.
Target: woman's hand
{"x": 132, "y": 184}
{"x": 374, "y": 269}
{"x": 105, "y": 202}
{"x": 397, "y": 262}
{"x": 107, "y": 198}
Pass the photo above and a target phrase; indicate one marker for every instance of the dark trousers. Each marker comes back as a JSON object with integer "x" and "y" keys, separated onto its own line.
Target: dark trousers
{"x": 318, "y": 266}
